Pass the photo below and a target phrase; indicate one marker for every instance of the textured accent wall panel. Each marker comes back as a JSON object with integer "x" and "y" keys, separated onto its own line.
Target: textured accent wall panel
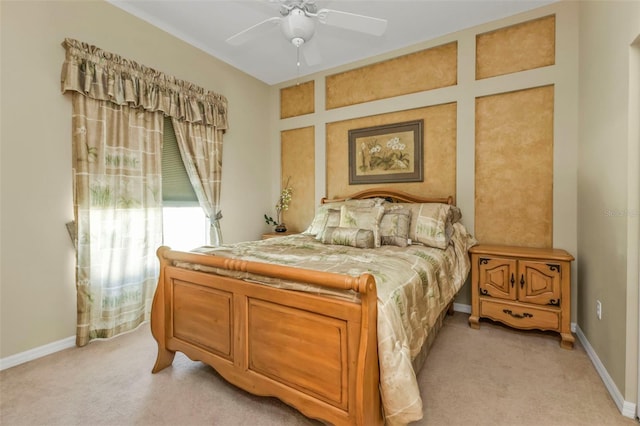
{"x": 520, "y": 47}
{"x": 416, "y": 72}
{"x": 439, "y": 151}
{"x": 514, "y": 168}
{"x": 298, "y": 162}
{"x": 297, "y": 100}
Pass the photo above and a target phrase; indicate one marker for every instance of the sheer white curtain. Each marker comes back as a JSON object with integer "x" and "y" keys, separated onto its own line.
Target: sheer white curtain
{"x": 118, "y": 208}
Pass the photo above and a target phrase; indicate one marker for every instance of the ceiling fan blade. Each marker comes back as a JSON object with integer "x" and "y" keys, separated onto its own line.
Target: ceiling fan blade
{"x": 311, "y": 53}
{"x": 254, "y": 31}
{"x": 352, "y": 21}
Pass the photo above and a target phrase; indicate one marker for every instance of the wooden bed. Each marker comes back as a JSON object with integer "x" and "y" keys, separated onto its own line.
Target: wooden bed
{"x": 316, "y": 353}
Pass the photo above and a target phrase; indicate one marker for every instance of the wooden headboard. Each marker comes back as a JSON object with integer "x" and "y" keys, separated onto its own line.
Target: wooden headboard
{"x": 390, "y": 195}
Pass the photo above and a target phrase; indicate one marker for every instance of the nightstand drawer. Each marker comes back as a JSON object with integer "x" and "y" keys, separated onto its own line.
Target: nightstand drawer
{"x": 519, "y": 316}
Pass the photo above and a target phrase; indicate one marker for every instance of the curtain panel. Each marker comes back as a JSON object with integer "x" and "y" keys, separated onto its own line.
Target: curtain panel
{"x": 106, "y": 76}
{"x": 201, "y": 150}
{"x": 118, "y": 209}
{"x": 118, "y": 109}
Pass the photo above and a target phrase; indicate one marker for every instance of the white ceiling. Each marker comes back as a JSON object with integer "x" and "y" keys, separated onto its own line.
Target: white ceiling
{"x": 206, "y": 24}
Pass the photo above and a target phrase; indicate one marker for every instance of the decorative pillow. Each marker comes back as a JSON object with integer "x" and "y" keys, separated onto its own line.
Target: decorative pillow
{"x": 431, "y": 223}
{"x": 454, "y": 215}
{"x": 319, "y": 220}
{"x": 332, "y": 218}
{"x": 365, "y": 202}
{"x": 354, "y": 237}
{"x": 430, "y": 226}
{"x": 394, "y": 227}
{"x": 362, "y": 218}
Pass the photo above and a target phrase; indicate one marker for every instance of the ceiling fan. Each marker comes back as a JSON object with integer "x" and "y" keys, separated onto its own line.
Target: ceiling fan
{"x": 298, "y": 24}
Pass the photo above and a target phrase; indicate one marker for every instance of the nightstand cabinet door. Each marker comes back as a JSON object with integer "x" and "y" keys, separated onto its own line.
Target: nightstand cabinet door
{"x": 539, "y": 283}
{"x": 497, "y": 277}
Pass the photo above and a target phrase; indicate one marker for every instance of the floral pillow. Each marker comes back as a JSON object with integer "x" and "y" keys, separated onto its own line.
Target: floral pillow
{"x": 362, "y": 218}
{"x": 354, "y": 237}
{"x": 332, "y": 218}
{"x": 431, "y": 223}
{"x": 319, "y": 221}
{"x": 394, "y": 227}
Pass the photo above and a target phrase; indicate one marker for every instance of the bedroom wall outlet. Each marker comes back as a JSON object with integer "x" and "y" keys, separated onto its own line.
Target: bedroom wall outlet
{"x": 599, "y": 309}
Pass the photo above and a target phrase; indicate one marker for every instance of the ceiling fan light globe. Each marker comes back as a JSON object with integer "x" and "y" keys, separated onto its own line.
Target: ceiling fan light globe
{"x": 298, "y": 25}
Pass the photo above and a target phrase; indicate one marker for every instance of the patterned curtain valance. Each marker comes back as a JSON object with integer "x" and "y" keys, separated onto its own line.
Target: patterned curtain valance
{"x": 106, "y": 76}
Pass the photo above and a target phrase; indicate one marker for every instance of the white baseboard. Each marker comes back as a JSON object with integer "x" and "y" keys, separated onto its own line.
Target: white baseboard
{"x": 459, "y": 307}
{"x": 628, "y": 409}
{"x": 35, "y": 353}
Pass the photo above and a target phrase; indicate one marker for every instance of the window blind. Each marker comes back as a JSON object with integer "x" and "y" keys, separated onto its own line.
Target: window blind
{"x": 176, "y": 186}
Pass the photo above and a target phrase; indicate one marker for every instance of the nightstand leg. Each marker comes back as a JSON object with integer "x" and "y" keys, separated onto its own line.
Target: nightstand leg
{"x": 474, "y": 322}
{"x": 567, "y": 340}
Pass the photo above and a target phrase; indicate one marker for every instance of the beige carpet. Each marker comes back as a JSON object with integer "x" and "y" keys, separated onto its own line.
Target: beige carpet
{"x": 491, "y": 376}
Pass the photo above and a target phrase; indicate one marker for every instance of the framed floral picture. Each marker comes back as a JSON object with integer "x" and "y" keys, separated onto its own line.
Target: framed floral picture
{"x": 386, "y": 154}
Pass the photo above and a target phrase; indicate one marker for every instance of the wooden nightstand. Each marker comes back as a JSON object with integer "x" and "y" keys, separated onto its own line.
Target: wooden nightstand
{"x": 526, "y": 288}
{"x": 276, "y": 234}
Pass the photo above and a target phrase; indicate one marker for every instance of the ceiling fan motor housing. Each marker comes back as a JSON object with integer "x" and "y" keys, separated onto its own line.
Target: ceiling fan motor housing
{"x": 298, "y": 27}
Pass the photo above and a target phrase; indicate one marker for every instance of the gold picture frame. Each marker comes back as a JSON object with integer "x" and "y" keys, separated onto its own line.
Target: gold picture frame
{"x": 391, "y": 153}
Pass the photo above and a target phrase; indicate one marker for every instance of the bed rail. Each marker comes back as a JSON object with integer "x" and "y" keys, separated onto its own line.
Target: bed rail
{"x": 361, "y": 284}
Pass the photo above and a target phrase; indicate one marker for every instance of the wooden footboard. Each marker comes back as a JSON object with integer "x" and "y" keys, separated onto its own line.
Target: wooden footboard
{"x": 318, "y": 354}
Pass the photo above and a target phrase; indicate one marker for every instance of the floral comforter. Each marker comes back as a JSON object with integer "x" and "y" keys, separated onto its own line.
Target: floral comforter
{"x": 413, "y": 285}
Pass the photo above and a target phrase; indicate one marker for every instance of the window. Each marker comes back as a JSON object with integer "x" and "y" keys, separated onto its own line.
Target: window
{"x": 184, "y": 228}
{"x": 184, "y": 223}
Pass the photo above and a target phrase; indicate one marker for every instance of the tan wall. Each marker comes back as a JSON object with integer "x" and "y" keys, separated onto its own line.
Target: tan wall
{"x": 297, "y": 100}
{"x": 608, "y": 187}
{"x": 519, "y": 47}
{"x": 37, "y": 305}
{"x": 559, "y": 127}
{"x": 514, "y": 168}
{"x": 439, "y": 152}
{"x": 415, "y": 72}
{"x": 298, "y": 168}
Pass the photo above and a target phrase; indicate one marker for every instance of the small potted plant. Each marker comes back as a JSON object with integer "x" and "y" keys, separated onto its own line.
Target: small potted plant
{"x": 281, "y": 205}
